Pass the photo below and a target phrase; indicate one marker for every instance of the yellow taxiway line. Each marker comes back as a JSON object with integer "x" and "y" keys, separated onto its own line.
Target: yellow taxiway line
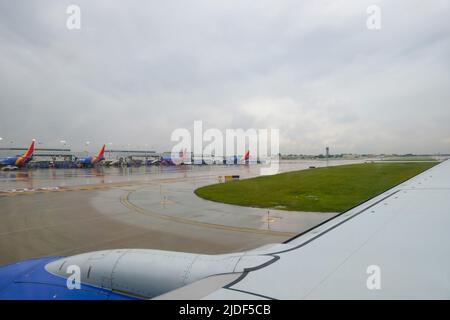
{"x": 125, "y": 200}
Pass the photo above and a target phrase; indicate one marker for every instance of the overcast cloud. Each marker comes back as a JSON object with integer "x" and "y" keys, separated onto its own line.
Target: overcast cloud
{"x": 137, "y": 70}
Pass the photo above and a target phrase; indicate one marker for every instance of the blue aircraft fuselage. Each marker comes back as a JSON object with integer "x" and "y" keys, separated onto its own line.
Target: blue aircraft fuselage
{"x": 15, "y": 161}
{"x": 29, "y": 280}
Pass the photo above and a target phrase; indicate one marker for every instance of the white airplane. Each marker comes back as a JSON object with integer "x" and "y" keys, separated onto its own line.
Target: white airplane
{"x": 394, "y": 246}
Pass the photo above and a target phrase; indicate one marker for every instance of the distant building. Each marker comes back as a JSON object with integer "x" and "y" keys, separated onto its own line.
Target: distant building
{"x": 130, "y": 154}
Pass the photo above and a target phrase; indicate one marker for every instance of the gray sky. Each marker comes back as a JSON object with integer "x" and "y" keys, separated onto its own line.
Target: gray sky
{"x": 137, "y": 70}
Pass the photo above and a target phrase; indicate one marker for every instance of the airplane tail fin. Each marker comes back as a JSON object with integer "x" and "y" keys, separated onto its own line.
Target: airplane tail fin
{"x": 101, "y": 153}
{"x": 30, "y": 151}
{"x": 246, "y": 156}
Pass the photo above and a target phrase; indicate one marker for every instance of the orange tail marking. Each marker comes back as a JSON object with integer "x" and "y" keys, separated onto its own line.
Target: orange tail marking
{"x": 102, "y": 152}
{"x": 30, "y": 151}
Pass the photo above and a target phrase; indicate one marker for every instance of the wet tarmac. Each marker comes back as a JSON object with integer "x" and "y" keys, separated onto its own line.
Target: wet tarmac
{"x": 67, "y": 211}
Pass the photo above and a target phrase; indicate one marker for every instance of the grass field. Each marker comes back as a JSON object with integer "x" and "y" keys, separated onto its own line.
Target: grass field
{"x": 331, "y": 189}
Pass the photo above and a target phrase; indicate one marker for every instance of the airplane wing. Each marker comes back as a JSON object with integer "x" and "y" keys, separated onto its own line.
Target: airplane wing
{"x": 394, "y": 246}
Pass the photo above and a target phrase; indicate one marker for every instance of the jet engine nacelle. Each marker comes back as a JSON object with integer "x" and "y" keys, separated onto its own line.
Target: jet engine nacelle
{"x": 150, "y": 273}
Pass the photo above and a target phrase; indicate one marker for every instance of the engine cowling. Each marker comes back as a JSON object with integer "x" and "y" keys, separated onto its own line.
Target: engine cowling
{"x": 150, "y": 273}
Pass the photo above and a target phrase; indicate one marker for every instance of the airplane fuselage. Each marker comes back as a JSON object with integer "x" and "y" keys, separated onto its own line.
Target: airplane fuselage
{"x": 89, "y": 161}
{"x": 15, "y": 161}
{"x": 171, "y": 161}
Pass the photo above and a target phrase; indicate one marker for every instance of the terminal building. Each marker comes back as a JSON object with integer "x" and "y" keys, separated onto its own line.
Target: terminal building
{"x": 131, "y": 157}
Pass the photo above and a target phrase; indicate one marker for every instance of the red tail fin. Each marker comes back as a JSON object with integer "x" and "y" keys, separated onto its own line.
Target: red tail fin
{"x": 102, "y": 152}
{"x": 246, "y": 156}
{"x": 30, "y": 151}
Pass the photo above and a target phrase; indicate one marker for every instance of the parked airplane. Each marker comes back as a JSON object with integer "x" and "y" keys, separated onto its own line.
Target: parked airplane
{"x": 90, "y": 161}
{"x": 19, "y": 161}
{"x": 393, "y": 246}
{"x": 182, "y": 158}
{"x": 236, "y": 160}
{"x": 246, "y": 156}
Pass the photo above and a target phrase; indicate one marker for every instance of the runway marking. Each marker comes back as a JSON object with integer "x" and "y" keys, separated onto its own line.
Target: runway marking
{"x": 125, "y": 200}
{"x": 166, "y": 201}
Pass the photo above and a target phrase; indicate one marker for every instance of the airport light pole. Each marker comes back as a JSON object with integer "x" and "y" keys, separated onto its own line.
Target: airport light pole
{"x": 87, "y": 143}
